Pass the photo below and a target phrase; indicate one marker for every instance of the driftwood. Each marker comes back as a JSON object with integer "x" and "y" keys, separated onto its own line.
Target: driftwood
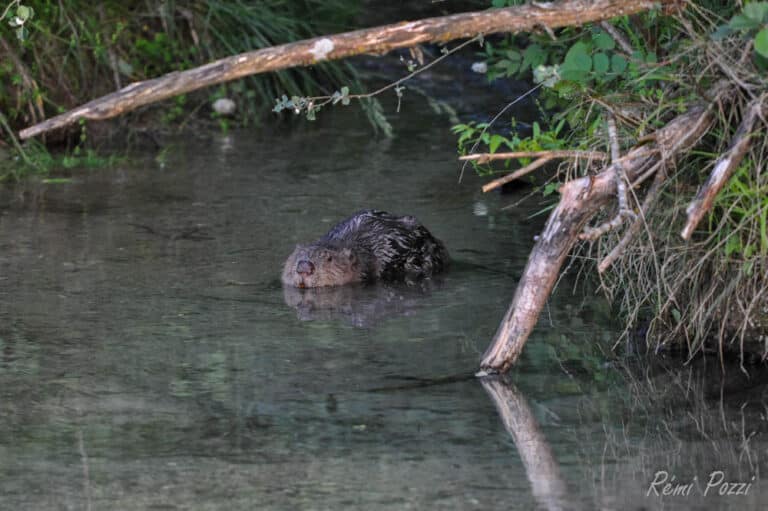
{"x": 724, "y": 167}
{"x": 378, "y": 40}
{"x": 580, "y": 200}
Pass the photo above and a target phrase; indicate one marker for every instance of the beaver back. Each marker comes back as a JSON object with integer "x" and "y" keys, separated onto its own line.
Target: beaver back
{"x": 369, "y": 245}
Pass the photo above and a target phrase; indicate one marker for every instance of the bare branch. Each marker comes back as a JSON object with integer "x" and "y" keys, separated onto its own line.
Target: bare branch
{"x": 629, "y": 235}
{"x": 592, "y": 233}
{"x": 561, "y": 154}
{"x": 724, "y": 168}
{"x": 377, "y": 40}
{"x": 580, "y": 200}
{"x": 516, "y": 174}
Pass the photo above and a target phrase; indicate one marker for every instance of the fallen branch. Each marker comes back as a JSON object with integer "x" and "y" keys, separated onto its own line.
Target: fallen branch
{"x": 516, "y": 174}
{"x": 724, "y": 168}
{"x": 580, "y": 200}
{"x": 377, "y": 40}
{"x": 561, "y": 154}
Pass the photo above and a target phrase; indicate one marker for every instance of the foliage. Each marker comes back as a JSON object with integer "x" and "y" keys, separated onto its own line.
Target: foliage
{"x": 655, "y": 68}
{"x": 752, "y": 24}
{"x": 66, "y": 53}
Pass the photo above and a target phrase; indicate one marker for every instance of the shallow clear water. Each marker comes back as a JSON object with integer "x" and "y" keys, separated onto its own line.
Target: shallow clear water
{"x": 149, "y": 358}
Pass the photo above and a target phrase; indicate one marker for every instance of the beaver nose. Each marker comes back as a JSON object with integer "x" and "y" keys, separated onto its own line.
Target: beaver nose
{"x": 305, "y": 268}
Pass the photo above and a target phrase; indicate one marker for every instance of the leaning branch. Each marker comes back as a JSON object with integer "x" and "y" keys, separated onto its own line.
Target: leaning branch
{"x": 560, "y": 154}
{"x": 378, "y": 40}
{"x": 580, "y": 200}
{"x": 535, "y": 164}
{"x": 724, "y": 168}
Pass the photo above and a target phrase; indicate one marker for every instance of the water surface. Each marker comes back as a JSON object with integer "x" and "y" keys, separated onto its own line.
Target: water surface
{"x": 149, "y": 360}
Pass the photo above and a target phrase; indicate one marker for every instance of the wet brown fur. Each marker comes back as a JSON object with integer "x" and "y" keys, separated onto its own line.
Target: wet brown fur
{"x": 367, "y": 246}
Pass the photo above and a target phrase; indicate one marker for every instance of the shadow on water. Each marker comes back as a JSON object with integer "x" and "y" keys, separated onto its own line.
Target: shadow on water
{"x": 135, "y": 374}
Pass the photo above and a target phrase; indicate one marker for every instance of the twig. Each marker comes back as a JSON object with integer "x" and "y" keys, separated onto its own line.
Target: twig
{"x": 495, "y": 118}
{"x": 617, "y": 36}
{"x": 324, "y": 100}
{"x": 560, "y": 154}
{"x": 26, "y": 79}
{"x": 14, "y": 141}
{"x": 592, "y": 233}
{"x": 650, "y": 198}
{"x": 8, "y": 8}
{"x": 724, "y": 168}
{"x": 516, "y": 174}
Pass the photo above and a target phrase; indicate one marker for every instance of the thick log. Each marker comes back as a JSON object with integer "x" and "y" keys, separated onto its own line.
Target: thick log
{"x": 378, "y": 40}
{"x": 580, "y": 200}
{"x": 724, "y": 168}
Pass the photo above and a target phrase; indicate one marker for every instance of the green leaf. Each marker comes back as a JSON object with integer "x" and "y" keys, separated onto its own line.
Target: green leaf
{"x": 550, "y": 188}
{"x": 577, "y": 58}
{"x": 721, "y": 33}
{"x": 761, "y": 42}
{"x": 536, "y": 130}
{"x": 573, "y": 75}
{"x": 600, "y": 63}
{"x": 618, "y": 64}
{"x": 733, "y": 245}
{"x": 533, "y": 56}
{"x": 603, "y": 41}
{"x": 514, "y": 55}
{"x": 499, "y": 3}
{"x": 743, "y": 23}
{"x": 757, "y": 11}
{"x": 496, "y": 141}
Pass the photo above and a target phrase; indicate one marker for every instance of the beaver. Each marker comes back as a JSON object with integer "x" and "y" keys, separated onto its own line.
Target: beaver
{"x": 370, "y": 245}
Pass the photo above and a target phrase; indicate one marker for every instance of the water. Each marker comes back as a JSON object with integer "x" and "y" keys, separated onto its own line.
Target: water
{"x": 149, "y": 360}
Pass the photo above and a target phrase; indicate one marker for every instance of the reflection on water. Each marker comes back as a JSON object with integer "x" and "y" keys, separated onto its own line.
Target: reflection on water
{"x": 149, "y": 356}
{"x": 360, "y": 305}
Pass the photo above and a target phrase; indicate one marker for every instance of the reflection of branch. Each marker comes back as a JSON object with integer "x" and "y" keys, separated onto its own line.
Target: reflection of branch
{"x": 541, "y": 467}
{"x": 86, "y": 472}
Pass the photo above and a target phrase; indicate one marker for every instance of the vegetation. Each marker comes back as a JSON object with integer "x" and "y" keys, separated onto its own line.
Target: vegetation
{"x": 62, "y": 54}
{"x": 642, "y": 71}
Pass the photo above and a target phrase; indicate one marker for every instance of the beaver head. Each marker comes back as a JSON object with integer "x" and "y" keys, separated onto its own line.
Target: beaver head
{"x": 323, "y": 265}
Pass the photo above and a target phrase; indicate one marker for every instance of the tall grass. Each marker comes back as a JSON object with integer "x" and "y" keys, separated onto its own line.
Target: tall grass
{"x": 77, "y": 50}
